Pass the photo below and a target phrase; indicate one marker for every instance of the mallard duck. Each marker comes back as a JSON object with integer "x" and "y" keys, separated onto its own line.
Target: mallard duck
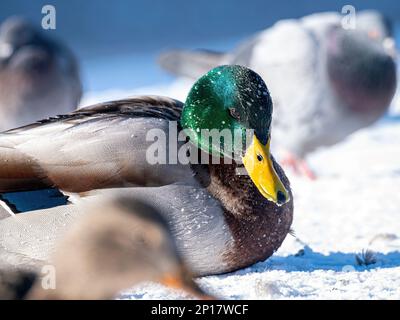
{"x": 39, "y": 77}
{"x": 224, "y": 214}
{"x": 326, "y": 81}
{"x": 116, "y": 245}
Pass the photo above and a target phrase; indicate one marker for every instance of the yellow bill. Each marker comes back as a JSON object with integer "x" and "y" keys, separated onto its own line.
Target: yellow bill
{"x": 258, "y": 164}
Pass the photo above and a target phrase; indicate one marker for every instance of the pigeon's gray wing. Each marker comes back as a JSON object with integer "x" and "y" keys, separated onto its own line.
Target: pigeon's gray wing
{"x": 190, "y": 64}
{"x": 287, "y": 57}
{"x": 274, "y": 39}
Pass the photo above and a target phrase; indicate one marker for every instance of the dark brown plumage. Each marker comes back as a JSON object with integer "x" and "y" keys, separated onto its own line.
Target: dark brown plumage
{"x": 259, "y": 226}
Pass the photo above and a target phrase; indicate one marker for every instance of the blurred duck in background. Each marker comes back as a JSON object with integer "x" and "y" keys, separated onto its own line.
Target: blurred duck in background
{"x": 327, "y": 81}
{"x": 112, "y": 247}
{"x": 39, "y": 77}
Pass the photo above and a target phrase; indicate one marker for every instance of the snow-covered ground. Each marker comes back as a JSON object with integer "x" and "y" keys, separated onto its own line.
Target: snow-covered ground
{"x": 354, "y": 205}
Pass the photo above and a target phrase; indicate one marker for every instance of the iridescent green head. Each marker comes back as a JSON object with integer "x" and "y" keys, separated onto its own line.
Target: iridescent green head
{"x": 228, "y": 97}
{"x": 235, "y": 98}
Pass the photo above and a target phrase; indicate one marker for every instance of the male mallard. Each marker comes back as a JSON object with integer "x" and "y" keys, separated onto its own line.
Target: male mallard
{"x": 327, "y": 79}
{"x": 222, "y": 219}
{"x": 114, "y": 246}
{"x": 39, "y": 77}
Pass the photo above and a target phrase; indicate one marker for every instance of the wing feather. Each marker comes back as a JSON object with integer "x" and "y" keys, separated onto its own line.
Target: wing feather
{"x": 94, "y": 147}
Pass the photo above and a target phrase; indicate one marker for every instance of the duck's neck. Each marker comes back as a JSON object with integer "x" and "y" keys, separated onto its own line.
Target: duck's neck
{"x": 230, "y": 184}
{"x": 258, "y": 226}
{"x": 235, "y": 190}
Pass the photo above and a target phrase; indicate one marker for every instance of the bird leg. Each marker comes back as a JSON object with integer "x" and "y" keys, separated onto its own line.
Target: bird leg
{"x": 298, "y": 165}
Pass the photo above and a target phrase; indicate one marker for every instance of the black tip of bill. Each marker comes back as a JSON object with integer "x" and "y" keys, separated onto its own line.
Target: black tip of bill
{"x": 280, "y": 196}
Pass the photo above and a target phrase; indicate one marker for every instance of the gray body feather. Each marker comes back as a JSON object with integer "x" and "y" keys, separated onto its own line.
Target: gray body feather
{"x": 292, "y": 58}
{"x": 30, "y": 238}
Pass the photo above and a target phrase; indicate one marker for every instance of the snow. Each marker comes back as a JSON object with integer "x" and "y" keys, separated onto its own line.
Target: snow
{"x": 354, "y": 205}
{"x": 395, "y": 108}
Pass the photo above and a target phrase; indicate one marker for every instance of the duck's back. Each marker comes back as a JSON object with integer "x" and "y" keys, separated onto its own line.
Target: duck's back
{"x": 106, "y": 145}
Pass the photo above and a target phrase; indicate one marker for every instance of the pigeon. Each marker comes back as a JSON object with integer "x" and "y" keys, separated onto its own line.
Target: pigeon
{"x": 39, "y": 77}
{"x": 327, "y": 79}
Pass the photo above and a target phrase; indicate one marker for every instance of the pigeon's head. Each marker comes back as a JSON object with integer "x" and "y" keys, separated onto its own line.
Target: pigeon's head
{"x": 375, "y": 25}
{"x": 361, "y": 64}
{"x": 24, "y": 49}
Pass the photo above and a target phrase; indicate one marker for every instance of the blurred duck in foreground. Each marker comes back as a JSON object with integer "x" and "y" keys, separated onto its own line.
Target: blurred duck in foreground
{"x": 38, "y": 76}
{"x": 223, "y": 219}
{"x": 326, "y": 82}
{"x": 114, "y": 246}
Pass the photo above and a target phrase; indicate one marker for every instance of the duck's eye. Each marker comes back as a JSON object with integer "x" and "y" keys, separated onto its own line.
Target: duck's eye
{"x": 259, "y": 157}
{"x": 234, "y": 114}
